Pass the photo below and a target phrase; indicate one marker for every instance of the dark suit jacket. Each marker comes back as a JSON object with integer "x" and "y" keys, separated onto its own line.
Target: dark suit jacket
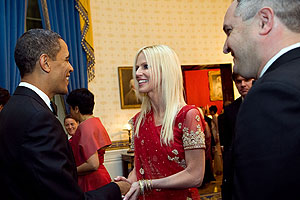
{"x": 36, "y": 161}
{"x": 226, "y": 136}
{"x": 228, "y": 121}
{"x": 267, "y": 141}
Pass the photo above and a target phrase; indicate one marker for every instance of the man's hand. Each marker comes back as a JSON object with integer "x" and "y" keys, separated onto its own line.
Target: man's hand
{"x": 124, "y": 186}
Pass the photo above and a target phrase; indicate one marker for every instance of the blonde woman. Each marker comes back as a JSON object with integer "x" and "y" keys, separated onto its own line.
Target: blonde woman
{"x": 168, "y": 134}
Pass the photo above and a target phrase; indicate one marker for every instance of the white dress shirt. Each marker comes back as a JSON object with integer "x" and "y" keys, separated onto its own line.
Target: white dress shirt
{"x": 39, "y": 92}
{"x": 274, "y": 58}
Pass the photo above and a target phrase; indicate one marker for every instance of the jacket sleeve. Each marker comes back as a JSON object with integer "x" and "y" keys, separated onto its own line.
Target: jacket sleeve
{"x": 48, "y": 159}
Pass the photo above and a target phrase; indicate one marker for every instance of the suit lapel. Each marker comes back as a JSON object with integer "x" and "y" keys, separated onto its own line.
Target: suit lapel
{"x": 24, "y": 91}
{"x": 285, "y": 58}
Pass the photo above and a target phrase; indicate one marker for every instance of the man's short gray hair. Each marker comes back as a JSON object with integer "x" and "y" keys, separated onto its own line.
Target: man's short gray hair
{"x": 288, "y": 11}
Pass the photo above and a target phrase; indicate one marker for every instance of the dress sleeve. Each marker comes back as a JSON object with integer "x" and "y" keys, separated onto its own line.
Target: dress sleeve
{"x": 193, "y": 135}
{"x": 93, "y": 137}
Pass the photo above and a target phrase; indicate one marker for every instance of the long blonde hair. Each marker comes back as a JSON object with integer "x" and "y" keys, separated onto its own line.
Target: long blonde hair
{"x": 164, "y": 65}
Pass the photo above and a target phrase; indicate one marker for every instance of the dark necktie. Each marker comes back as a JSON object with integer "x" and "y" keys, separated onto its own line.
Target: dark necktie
{"x": 54, "y": 108}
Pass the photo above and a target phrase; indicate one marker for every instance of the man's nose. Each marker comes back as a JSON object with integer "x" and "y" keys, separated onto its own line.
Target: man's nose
{"x": 243, "y": 83}
{"x": 226, "y": 49}
{"x": 72, "y": 69}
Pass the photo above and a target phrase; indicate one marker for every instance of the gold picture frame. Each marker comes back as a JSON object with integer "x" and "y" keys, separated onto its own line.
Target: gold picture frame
{"x": 215, "y": 86}
{"x": 127, "y": 90}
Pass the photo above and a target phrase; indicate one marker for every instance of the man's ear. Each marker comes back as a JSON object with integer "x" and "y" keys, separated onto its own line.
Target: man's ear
{"x": 45, "y": 66}
{"x": 76, "y": 109}
{"x": 266, "y": 20}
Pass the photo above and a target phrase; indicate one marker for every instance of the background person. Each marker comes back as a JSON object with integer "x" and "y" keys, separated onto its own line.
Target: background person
{"x": 221, "y": 125}
{"x": 264, "y": 39}
{"x": 168, "y": 134}
{"x": 131, "y": 97}
{"x": 217, "y": 153}
{"x": 243, "y": 86}
{"x": 89, "y": 142}
{"x": 208, "y": 172}
{"x": 70, "y": 125}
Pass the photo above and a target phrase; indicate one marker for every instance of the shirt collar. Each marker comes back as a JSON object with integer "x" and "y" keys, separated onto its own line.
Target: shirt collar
{"x": 38, "y": 91}
{"x": 280, "y": 53}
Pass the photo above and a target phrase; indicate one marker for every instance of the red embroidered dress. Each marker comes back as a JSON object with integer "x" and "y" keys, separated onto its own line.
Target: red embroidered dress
{"x": 90, "y": 137}
{"x": 154, "y": 160}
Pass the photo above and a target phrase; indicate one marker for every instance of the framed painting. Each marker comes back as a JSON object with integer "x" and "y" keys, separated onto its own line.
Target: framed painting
{"x": 128, "y": 96}
{"x": 215, "y": 86}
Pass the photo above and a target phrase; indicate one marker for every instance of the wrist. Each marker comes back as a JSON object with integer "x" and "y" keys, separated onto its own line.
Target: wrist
{"x": 145, "y": 185}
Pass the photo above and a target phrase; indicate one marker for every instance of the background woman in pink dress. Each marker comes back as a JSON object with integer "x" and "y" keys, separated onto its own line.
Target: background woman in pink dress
{"x": 70, "y": 125}
{"x": 89, "y": 142}
{"x": 168, "y": 135}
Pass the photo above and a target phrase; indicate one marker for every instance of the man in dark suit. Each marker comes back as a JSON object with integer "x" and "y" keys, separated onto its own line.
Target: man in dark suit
{"x": 264, "y": 39}
{"x": 36, "y": 161}
{"x": 243, "y": 85}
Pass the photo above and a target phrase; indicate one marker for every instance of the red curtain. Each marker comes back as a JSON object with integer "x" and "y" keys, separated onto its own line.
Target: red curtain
{"x": 197, "y": 89}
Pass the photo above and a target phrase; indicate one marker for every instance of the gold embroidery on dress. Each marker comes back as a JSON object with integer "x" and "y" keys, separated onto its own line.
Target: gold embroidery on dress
{"x": 179, "y": 125}
{"x": 182, "y": 163}
{"x": 175, "y": 151}
{"x": 141, "y": 171}
{"x": 192, "y": 140}
{"x": 175, "y": 159}
{"x": 197, "y": 118}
